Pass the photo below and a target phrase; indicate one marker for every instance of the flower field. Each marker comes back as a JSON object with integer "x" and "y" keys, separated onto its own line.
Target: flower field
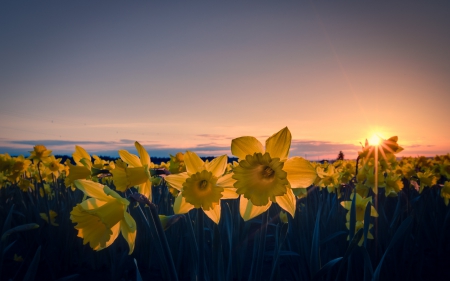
{"x": 267, "y": 216}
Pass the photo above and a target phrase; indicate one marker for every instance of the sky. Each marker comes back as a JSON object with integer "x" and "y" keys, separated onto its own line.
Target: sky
{"x": 193, "y": 75}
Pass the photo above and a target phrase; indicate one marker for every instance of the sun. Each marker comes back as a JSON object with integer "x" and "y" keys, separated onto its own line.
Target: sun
{"x": 375, "y": 139}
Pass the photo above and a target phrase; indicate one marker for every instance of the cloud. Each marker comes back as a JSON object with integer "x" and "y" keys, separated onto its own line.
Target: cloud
{"x": 214, "y": 136}
{"x": 310, "y": 149}
{"x": 314, "y": 150}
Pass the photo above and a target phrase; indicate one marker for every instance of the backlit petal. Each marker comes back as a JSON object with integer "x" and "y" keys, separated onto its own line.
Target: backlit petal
{"x": 226, "y": 181}
{"x": 92, "y": 189}
{"x": 131, "y": 159}
{"x": 214, "y": 213}
{"x": 244, "y": 146}
{"x": 249, "y": 211}
{"x": 176, "y": 180}
{"x": 128, "y": 229}
{"x": 146, "y": 189}
{"x": 143, "y": 155}
{"x": 287, "y": 202}
{"x": 279, "y": 143}
{"x": 217, "y": 166}
{"x": 180, "y": 206}
{"x": 229, "y": 193}
{"x": 300, "y": 172}
{"x": 193, "y": 163}
{"x": 79, "y": 154}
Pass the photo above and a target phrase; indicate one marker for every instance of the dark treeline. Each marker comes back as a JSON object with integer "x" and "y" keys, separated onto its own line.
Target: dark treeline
{"x": 156, "y": 160}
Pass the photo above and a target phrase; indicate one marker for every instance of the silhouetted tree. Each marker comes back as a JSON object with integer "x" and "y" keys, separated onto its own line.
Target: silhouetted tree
{"x": 340, "y": 156}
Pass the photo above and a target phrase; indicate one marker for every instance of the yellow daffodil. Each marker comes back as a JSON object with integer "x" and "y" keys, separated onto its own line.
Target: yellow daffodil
{"x": 267, "y": 175}
{"x": 445, "y": 192}
{"x": 53, "y": 214}
{"x": 54, "y": 165}
{"x": 136, "y": 173}
{"x": 76, "y": 172}
{"x": 427, "y": 179}
{"x": 393, "y": 184}
{"x": 100, "y": 218}
{"x": 40, "y": 153}
{"x": 176, "y": 164}
{"x": 358, "y": 226}
{"x": 203, "y": 185}
{"x": 360, "y": 207}
{"x": 385, "y": 147}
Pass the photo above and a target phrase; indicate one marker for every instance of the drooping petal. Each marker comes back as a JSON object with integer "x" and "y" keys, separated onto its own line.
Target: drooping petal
{"x": 143, "y": 155}
{"x": 128, "y": 230}
{"x": 244, "y": 146}
{"x": 193, "y": 163}
{"x": 115, "y": 232}
{"x": 180, "y": 206}
{"x": 287, "y": 202}
{"x": 131, "y": 159}
{"x": 300, "y": 172}
{"x": 249, "y": 211}
{"x": 146, "y": 189}
{"x": 226, "y": 181}
{"x": 92, "y": 189}
{"x": 214, "y": 213}
{"x": 279, "y": 143}
{"x": 176, "y": 180}
{"x": 217, "y": 166}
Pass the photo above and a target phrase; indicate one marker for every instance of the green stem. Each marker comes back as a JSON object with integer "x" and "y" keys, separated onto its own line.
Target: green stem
{"x": 162, "y": 236}
{"x": 201, "y": 239}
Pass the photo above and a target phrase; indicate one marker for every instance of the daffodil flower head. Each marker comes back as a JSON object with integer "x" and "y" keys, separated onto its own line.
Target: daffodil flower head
{"x": 40, "y": 153}
{"x": 267, "y": 175}
{"x": 360, "y": 207}
{"x": 100, "y": 218}
{"x": 445, "y": 192}
{"x": 203, "y": 185}
{"x": 200, "y": 190}
{"x": 260, "y": 178}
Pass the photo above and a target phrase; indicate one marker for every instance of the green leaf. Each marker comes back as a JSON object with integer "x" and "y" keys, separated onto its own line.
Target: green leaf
{"x": 398, "y": 234}
{"x": 138, "y": 274}
{"x": 23, "y": 227}
{"x": 326, "y": 268}
{"x": 31, "y": 272}
{"x": 314, "y": 259}
{"x": 7, "y": 223}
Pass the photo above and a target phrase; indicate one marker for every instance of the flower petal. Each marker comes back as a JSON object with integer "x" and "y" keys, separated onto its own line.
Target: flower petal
{"x": 244, "y": 146}
{"x": 131, "y": 159}
{"x": 79, "y": 154}
{"x": 92, "y": 189}
{"x": 115, "y": 232}
{"x": 287, "y": 202}
{"x": 214, "y": 213}
{"x": 176, "y": 180}
{"x": 217, "y": 166}
{"x": 193, "y": 163}
{"x": 300, "y": 172}
{"x": 180, "y": 206}
{"x": 146, "y": 189}
{"x": 128, "y": 229}
{"x": 229, "y": 193}
{"x": 249, "y": 211}
{"x": 143, "y": 155}
{"x": 226, "y": 181}
{"x": 279, "y": 143}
